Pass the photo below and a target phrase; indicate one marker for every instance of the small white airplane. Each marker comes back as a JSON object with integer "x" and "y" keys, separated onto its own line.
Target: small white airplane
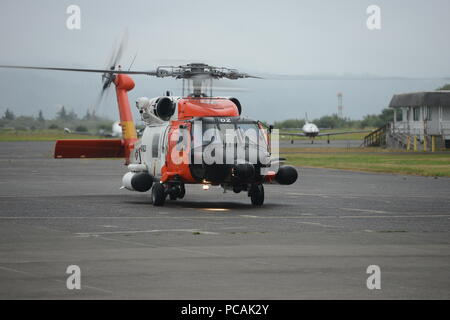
{"x": 116, "y": 131}
{"x": 310, "y": 130}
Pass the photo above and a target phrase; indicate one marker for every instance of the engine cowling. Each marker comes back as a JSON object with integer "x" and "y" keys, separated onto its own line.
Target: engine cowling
{"x": 157, "y": 109}
{"x": 164, "y": 108}
{"x": 237, "y": 103}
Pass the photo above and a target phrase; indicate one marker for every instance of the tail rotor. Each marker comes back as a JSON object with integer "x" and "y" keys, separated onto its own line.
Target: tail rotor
{"x": 113, "y": 65}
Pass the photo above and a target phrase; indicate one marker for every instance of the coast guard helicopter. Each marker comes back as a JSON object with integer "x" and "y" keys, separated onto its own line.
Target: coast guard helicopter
{"x": 186, "y": 139}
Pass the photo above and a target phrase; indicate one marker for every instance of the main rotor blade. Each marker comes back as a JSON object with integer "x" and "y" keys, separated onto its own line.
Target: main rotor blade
{"x": 122, "y": 45}
{"x": 99, "y": 101}
{"x": 251, "y": 76}
{"x": 149, "y": 73}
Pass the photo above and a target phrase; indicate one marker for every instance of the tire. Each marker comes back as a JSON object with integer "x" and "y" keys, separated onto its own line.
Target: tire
{"x": 257, "y": 194}
{"x": 158, "y": 194}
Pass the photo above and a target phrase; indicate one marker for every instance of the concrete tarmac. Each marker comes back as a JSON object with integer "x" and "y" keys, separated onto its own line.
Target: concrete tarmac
{"x": 312, "y": 240}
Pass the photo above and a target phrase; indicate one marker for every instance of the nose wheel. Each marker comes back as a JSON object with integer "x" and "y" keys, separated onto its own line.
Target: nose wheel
{"x": 161, "y": 191}
{"x": 158, "y": 194}
{"x": 256, "y": 194}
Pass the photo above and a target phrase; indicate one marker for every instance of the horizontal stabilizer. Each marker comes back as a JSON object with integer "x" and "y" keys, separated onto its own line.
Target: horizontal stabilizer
{"x": 89, "y": 148}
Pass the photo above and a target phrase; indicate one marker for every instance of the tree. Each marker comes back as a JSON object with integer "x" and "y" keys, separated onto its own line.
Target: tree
{"x": 373, "y": 120}
{"x": 71, "y": 116}
{"x": 41, "y": 116}
{"x": 62, "y": 114}
{"x": 445, "y": 87}
{"x": 9, "y": 115}
{"x": 87, "y": 115}
{"x": 290, "y": 123}
{"x": 386, "y": 116}
{"x": 81, "y": 129}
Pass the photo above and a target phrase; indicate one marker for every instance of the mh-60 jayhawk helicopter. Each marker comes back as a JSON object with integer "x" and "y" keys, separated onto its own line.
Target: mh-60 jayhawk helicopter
{"x": 192, "y": 139}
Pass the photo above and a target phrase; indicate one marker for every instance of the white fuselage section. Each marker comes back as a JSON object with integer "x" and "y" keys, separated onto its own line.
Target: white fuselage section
{"x": 310, "y": 129}
{"x": 150, "y": 150}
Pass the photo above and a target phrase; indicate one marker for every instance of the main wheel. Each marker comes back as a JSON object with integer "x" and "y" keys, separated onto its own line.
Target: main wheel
{"x": 257, "y": 194}
{"x": 158, "y": 194}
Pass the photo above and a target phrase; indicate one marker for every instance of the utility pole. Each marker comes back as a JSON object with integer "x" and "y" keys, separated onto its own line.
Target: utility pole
{"x": 339, "y": 95}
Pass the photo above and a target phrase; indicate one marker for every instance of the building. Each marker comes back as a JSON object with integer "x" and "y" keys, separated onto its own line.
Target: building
{"x": 423, "y": 115}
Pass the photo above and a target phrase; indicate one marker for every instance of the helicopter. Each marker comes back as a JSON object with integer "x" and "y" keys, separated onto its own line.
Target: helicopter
{"x": 195, "y": 138}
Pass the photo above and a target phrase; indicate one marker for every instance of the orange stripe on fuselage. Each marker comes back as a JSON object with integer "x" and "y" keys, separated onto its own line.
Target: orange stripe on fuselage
{"x": 206, "y": 107}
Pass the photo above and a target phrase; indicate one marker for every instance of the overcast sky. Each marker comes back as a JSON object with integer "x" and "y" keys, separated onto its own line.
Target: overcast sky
{"x": 283, "y": 37}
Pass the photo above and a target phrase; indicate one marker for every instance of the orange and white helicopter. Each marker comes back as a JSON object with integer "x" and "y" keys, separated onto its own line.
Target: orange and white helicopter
{"x": 192, "y": 139}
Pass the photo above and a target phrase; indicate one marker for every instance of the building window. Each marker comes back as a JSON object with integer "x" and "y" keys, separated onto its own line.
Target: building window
{"x": 416, "y": 114}
{"x": 427, "y": 113}
{"x": 399, "y": 115}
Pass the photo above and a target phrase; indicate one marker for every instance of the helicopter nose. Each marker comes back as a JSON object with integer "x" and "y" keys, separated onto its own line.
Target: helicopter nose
{"x": 244, "y": 171}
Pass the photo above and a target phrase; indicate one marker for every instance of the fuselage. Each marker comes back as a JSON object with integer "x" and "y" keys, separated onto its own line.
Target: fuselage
{"x": 195, "y": 143}
{"x": 310, "y": 129}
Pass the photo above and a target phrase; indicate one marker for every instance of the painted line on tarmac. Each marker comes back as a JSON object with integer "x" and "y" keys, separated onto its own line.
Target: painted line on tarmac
{"x": 155, "y": 247}
{"x": 318, "y": 224}
{"x": 56, "y": 280}
{"x": 94, "y": 234}
{"x": 364, "y": 210}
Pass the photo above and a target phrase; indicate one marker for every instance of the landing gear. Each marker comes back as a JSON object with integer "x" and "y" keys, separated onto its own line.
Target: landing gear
{"x": 172, "y": 197}
{"x": 158, "y": 194}
{"x": 176, "y": 191}
{"x": 292, "y": 141}
{"x": 312, "y": 141}
{"x": 256, "y": 194}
